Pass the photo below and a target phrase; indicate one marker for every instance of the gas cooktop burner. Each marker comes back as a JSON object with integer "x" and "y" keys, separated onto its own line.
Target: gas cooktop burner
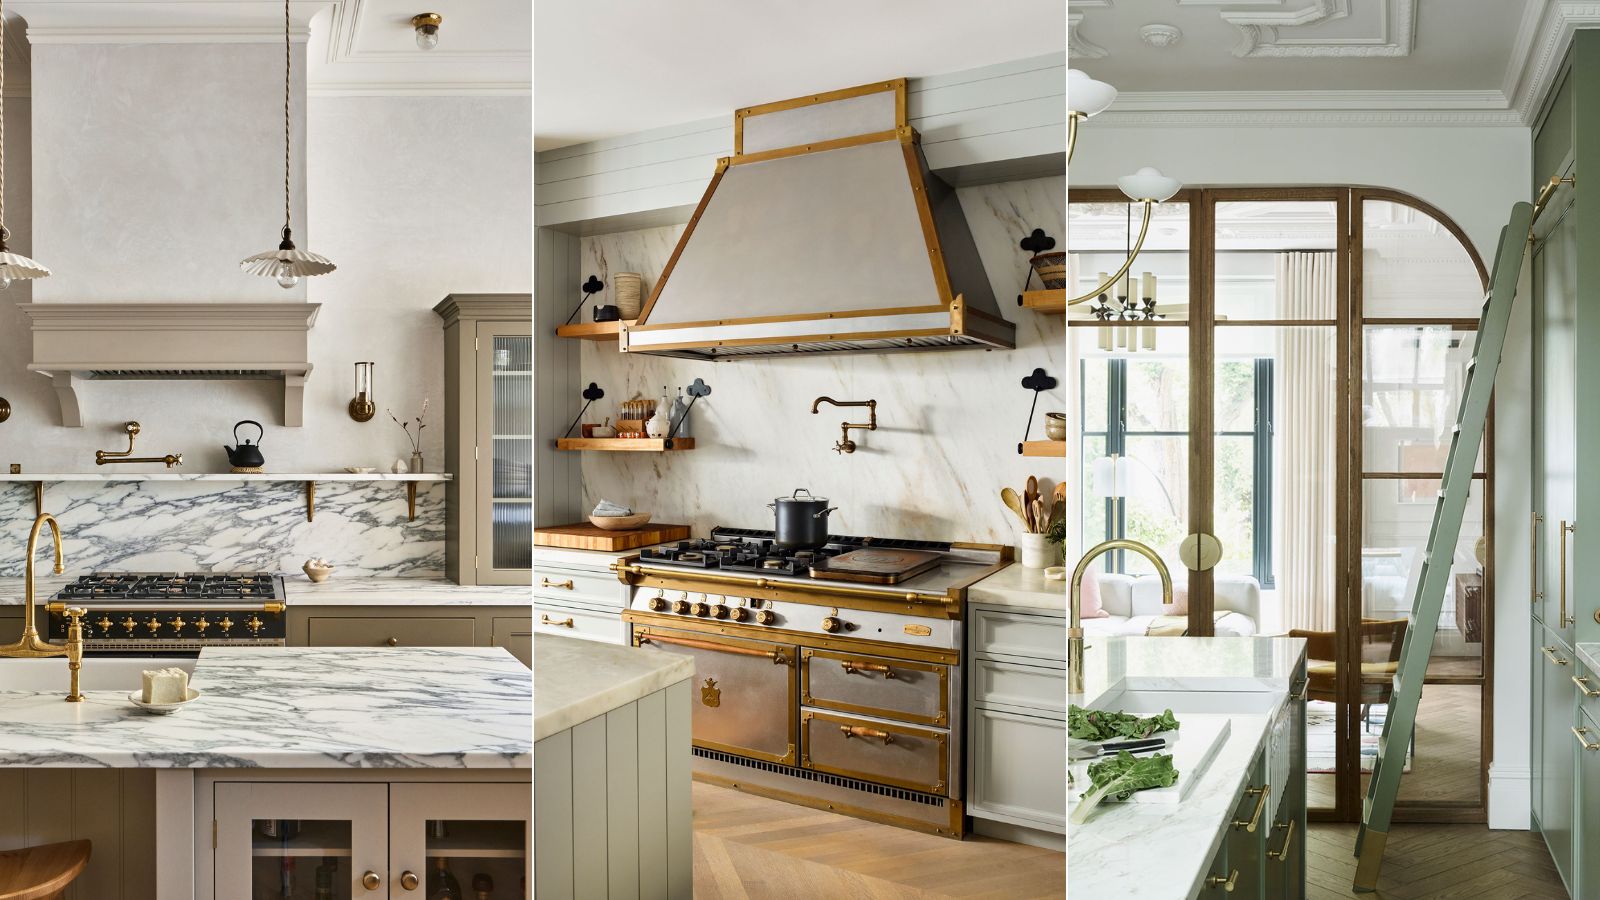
{"x": 174, "y": 586}
{"x": 749, "y": 550}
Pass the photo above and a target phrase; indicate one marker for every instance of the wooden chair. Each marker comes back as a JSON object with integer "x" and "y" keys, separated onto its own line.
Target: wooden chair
{"x": 1381, "y": 640}
{"x": 42, "y": 872}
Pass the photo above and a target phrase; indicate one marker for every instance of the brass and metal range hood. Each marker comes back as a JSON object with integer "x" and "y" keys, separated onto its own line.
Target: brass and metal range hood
{"x": 824, "y": 232}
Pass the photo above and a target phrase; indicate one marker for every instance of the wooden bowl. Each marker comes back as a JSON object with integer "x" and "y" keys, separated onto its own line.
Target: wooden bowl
{"x": 619, "y": 523}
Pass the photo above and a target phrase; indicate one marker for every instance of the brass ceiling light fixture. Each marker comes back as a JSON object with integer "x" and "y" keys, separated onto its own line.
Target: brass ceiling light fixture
{"x": 287, "y": 263}
{"x": 12, "y": 265}
{"x": 427, "y": 26}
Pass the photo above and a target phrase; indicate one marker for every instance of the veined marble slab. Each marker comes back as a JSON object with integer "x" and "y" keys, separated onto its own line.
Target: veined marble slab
{"x": 105, "y": 477}
{"x": 1020, "y": 587}
{"x": 580, "y": 679}
{"x": 295, "y": 707}
{"x": 1589, "y": 655}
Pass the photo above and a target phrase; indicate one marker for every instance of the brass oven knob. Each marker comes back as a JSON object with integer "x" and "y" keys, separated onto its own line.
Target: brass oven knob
{"x": 766, "y": 617}
{"x": 680, "y": 606}
{"x": 700, "y": 609}
{"x": 202, "y": 624}
{"x": 129, "y": 624}
{"x": 738, "y": 614}
{"x": 831, "y": 624}
{"x": 178, "y": 623}
{"x": 154, "y": 625}
{"x": 254, "y": 624}
{"x": 104, "y": 624}
{"x": 226, "y": 624}
{"x": 718, "y": 611}
{"x": 657, "y": 604}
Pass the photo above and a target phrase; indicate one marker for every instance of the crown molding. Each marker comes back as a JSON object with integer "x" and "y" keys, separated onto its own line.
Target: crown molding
{"x": 1534, "y": 67}
{"x": 1311, "y": 108}
{"x": 1079, "y": 47}
{"x": 422, "y": 89}
{"x": 1331, "y": 118}
{"x": 164, "y": 34}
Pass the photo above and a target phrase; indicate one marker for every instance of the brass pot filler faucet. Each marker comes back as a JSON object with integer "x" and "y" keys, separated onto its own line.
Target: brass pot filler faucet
{"x": 846, "y": 445}
{"x": 30, "y": 645}
{"x": 106, "y": 457}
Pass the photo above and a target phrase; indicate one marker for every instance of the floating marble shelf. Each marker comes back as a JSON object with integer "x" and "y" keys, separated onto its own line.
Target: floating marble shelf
{"x": 310, "y": 479}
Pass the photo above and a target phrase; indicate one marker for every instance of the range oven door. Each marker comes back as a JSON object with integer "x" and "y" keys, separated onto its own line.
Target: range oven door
{"x": 745, "y": 701}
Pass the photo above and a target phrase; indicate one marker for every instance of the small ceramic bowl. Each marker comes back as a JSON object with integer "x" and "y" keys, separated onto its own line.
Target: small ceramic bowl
{"x": 360, "y": 470}
{"x": 620, "y": 523}
{"x": 317, "y": 574}
{"x": 1055, "y": 426}
{"x": 162, "y": 709}
{"x": 1055, "y": 573}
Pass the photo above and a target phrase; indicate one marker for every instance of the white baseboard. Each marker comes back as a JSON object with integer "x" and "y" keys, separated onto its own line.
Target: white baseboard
{"x": 1510, "y": 797}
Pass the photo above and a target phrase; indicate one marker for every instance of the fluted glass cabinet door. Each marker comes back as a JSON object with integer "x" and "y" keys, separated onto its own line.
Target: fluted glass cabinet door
{"x": 472, "y": 836}
{"x": 289, "y": 841}
{"x": 505, "y": 452}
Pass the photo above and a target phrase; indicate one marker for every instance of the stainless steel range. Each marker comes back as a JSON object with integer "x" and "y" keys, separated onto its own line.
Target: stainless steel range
{"x": 830, "y": 678}
{"x": 172, "y": 613}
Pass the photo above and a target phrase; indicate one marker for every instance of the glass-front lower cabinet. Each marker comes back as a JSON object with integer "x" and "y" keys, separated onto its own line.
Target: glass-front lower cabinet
{"x": 351, "y": 841}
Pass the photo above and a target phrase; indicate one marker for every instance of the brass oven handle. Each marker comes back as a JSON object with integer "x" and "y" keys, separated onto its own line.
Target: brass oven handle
{"x": 1262, "y": 793}
{"x": 1566, "y": 529}
{"x": 862, "y": 731}
{"x": 562, "y": 623}
{"x": 776, "y": 656}
{"x": 1533, "y": 567}
{"x": 1580, "y": 733}
{"x": 1227, "y": 884}
{"x": 1583, "y": 685}
{"x": 851, "y": 665}
{"x": 545, "y": 582}
{"x": 1282, "y": 853}
{"x": 1550, "y": 653}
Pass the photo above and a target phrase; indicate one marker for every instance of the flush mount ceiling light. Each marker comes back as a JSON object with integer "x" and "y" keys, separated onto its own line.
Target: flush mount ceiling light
{"x": 287, "y": 264}
{"x": 1087, "y": 97}
{"x": 12, "y": 265}
{"x": 427, "y": 26}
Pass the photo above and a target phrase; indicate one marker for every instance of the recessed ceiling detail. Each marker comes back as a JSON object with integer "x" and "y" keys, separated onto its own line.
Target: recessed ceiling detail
{"x": 1277, "y": 29}
{"x": 1160, "y": 36}
{"x": 1077, "y": 46}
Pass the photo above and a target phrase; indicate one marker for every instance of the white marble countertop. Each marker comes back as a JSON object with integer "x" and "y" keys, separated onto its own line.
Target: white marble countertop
{"x": 295, "y": 707}
{"x": 336, "y": 591}
{"x": 581, "y": 679}
{"x": 1589, "y": 655}
{"x": 1111, "y": 854}
{"x": 226, "y": 476}
{"x": 1022, "y": 587}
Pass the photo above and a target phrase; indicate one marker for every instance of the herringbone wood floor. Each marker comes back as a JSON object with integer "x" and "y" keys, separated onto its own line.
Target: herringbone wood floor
{"x": 1436, "y": 862}
{"x": 748, "y": 846}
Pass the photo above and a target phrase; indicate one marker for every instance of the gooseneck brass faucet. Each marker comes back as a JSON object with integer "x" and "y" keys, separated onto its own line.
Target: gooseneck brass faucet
{"x": 846, "y": 445}
{"x": 30, "y": 645}
{"x": 106, "y": 457}
{"x": 1075, "y": 608}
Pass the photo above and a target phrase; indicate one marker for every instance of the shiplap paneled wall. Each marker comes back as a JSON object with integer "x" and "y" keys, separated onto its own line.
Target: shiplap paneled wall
{"x": 990, "y": 124}
{"x": 558, "y": 493}
{"x": 111, "y": 808}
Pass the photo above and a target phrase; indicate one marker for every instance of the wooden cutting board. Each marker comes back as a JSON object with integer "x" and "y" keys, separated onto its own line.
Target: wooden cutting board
{"x": 585, "y": 536}
{"x": 876, "y": 565}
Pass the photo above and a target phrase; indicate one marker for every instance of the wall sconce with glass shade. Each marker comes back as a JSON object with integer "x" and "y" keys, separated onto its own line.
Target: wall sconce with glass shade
{"x": 362, "y": 405}
{"x": 427, "y": 26}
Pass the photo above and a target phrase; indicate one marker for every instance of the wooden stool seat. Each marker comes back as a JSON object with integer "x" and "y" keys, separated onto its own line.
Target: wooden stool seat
{"x": 42, "y": 872}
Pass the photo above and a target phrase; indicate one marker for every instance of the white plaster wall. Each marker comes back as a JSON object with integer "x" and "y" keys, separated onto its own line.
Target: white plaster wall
{"x": 1473, "y": 175}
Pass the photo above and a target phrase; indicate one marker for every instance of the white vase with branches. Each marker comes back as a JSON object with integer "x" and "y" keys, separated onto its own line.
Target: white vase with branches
{"x": 415, "y": 439}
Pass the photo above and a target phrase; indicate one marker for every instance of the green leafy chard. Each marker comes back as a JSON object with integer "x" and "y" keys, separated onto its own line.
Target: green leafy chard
{"x": 1120, "y": 777}
{"x": 1104, "y": 725}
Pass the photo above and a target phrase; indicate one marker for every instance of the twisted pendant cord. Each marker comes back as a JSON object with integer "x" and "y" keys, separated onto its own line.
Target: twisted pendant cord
{"x": 286, "y": 64}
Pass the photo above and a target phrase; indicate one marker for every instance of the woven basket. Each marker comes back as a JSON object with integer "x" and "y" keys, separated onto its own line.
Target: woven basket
{"x": 1052, "y": 269}
{"x": 626, "y": 289}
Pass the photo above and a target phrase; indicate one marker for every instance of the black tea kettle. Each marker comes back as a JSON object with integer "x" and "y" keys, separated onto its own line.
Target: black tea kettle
{"x": 247, "y": 456}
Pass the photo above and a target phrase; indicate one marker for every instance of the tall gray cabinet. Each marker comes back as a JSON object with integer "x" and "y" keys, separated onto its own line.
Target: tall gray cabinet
{"x": 488, "y": 365}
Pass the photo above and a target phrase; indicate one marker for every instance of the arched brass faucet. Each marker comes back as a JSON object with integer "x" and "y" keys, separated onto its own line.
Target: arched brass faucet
{"x": 1075, "y": 607}
{"x": 30, "y": 645}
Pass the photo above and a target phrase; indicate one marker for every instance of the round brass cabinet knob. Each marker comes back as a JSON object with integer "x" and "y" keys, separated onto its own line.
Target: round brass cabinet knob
{"x": 1200, "y": 551}
{"x": 393, "y": 642}
{"x": 371, "y": 881}
{"x": 766, "y": 617}
{"x": 409, "y": 880}
{"x": 831, "y": 624}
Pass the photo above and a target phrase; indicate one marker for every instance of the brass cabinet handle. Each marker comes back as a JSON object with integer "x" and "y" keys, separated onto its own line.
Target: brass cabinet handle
{"x": 1583, "y": 685}
{"x": 1550, "y": 653}
{"x": 851, "y": 665}
{"x": 1580, "y": 733}
{"x": 1282, "y": 853}
{"x": 1301, "y": 692}
{"x": 1533, "y": 568}
{"x": 1566, "y": 529}
{"x": 862, "y": 731}
{"x": 409, "y": 880}
{"x": 371, "y": 881}
{"x": 1227, "y": 884}
{"x": 562, "y": 623}
{"x": 545, "y": 582}
{"x": 1262, "y": 793}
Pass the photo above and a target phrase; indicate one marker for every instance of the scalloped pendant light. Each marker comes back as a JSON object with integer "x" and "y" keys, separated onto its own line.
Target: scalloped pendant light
{"x": 287, "y": 264}
{"x": 12, "y": 265}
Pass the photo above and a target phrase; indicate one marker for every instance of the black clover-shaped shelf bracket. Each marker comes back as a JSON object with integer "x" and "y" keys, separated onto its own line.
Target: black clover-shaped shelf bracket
{"x": 696, "y": 390}
{"x": 590, "y": 394}
{"x": 1035, "y": 243}
{"x": 1037, "y": 381}
{"x": 590, "y": 288}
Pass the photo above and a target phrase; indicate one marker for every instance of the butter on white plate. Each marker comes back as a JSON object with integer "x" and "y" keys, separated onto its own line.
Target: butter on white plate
{"x": 170, "y": 685}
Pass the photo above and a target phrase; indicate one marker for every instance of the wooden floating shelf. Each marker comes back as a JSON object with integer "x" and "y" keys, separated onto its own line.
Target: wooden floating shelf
{"x": 593, "y": 331}
{"x": 625, "y": 445}
{"x": 1050, "y": 301}
{"x": 1043, "y": 448}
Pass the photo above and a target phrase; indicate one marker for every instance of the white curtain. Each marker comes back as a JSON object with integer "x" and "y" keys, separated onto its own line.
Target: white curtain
{"x": 1306, "y": 394}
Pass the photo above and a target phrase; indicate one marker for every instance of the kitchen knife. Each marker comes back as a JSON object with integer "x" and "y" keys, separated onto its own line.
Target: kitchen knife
{"x": 1091, "y": 750}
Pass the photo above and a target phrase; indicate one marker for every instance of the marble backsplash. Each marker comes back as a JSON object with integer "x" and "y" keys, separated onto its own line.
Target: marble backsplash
{"x": 948, "y": 422}
{"x": 207, "y": 526}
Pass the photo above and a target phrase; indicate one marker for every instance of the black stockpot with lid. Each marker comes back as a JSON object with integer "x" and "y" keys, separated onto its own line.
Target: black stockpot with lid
{"x": 800, "y": 523}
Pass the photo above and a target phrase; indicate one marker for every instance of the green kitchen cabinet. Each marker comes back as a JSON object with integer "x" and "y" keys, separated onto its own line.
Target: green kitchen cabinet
{"x": 1556, "y": 805}
{"x": 1585, "y": 742}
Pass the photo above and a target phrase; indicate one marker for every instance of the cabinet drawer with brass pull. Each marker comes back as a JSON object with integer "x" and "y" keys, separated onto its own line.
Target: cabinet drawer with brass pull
{"x": 1262, "y": 794}
{"x": 1282, "y": 853}
{"x": 577, "y": 622}
{"x": 598, "y": 587}
{"x": 1582, "y": 681}
{"x": 1550, "y": 654}
{"x": 1227, "y": 884}
{"x": 544, "y": 619}
{"x": 1582, "y": 734}
{"x": 564, "y": 585}
{"x": 359, "y": 631}
{"x": 875, "y": 686}
{"x": 903, "y": 755}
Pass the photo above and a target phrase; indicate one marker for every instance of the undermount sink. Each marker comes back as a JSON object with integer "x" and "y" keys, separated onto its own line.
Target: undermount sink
{"x": 1198, "y": 701}
{"x": 98, "y": 673}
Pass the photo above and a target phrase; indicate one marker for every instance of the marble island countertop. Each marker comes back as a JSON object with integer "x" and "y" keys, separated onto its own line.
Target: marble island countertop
{"x": 353, "y": 590}
{"x": 1018, "y": 586}
{"x": 1589, "y": 655}
{"x": 581, "y": 679}
{"x": 1248, "y": 678}
{"x": 294, "y": 707}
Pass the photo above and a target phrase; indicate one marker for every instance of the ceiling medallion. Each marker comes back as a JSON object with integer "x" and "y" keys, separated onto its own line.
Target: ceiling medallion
{"x": 1160, "y": 36}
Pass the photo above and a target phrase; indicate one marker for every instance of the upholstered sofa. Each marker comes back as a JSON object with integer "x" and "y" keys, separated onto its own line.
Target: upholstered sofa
{"x": 1132, "y": 604}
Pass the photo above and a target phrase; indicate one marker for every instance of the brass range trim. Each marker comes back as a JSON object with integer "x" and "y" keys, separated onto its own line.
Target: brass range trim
{"x": 856, "y": 646}
{"x": 947, "y": 606}
{"x": 942, "y": 738}
{"x": 956, "y": 809}
{"x": 941, "y": 718}
{"x": 155, "y": 605}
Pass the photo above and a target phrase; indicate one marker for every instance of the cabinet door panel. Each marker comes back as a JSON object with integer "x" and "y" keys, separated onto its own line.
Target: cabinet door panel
{"x": 467, "y": 830}
{"x": 1017, "y": 774}
{"x": 1555, "y": 431}
{"x": 1557, "y": 808}
{"x": 354, "y": 631}
{"x": 505, "y": 452}
{"x": 1589, "y": 811}
{"x": 274, "y": 837}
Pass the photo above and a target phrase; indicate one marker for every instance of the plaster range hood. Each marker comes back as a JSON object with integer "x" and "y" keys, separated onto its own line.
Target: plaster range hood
{"x": 824, "y": 232}
{"x": 77, "y": 343}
